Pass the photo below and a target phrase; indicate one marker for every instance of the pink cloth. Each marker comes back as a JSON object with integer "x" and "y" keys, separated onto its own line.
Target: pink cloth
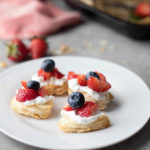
{"x": 28, "y": 18}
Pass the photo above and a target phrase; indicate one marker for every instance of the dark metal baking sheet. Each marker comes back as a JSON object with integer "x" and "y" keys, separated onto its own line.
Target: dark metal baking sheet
{"x": 140, "y": 32}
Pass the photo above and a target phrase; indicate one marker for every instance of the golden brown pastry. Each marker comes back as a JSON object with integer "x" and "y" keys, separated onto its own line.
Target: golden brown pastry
{"x": 82, "y": 116}
{"x": 36, "y": 111}
{"x": 69, "y": 126}
{"x": 33, "y": 101}
{"x": 57, "y": 89}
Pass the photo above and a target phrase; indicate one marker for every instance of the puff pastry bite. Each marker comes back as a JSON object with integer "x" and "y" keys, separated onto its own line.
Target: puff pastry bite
{"x": 51, "y": 78}
{"x": 82, "y": 116}
{"x": 93, "y": 86}
{"x": 32, "y": 101}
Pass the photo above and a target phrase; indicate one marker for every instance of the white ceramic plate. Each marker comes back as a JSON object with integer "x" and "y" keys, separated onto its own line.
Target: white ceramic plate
{"x": 128, "y": 113}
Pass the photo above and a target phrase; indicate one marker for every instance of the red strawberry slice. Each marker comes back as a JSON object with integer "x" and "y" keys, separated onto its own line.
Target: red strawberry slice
{"x": 24, "y": 84}
{"x": 143, "y": 9}
{"x": 43, "y": 91}
{"x": 72, "y": 75}
{"x": 94, "y": 84}
{"x": 26, "y": 94}
{"x": 68, "y": 108}
{"x": 58, "y": 74}
{"x": 98, "y": 85}
{"x": 104, "y": 86}
{"x": 87, "y": 109}
{"x": 82, "y": 80}
{"x": 45, "y": 75}
{"x": 101, "y": 76}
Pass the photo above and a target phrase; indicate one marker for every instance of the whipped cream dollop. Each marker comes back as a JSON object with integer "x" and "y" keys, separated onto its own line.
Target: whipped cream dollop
{"x": 52, "y": 80}
{"x": 81, "y": 120}
{"x": 39, "y": 100}
{"x": 75, "y": 87}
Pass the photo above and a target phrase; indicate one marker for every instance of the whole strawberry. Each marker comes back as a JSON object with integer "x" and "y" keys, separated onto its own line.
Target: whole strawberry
{"x": 16, "y": 50}
{"x": 143, "y": 9}
{"x": 38, "y": 48}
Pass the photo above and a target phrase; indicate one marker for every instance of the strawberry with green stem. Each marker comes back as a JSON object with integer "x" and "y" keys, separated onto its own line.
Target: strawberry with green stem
{"x": 16, "y": 50}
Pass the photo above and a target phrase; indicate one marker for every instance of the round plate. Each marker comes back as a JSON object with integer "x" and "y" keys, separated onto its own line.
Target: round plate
{"x": 128, "y": 112}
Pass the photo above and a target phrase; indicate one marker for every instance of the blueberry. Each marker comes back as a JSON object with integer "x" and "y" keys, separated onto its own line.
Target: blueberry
{"x": 35, "y": 85}
{"x": 48, "y": 65}
{"x": 93, "y": 74}
{"x": 76, "y": 100}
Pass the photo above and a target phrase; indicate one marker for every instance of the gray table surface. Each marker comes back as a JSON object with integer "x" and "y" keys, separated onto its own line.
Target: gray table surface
{"x": 119, "y": 49}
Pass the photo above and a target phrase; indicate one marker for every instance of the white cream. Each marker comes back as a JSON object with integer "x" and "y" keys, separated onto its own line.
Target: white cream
{"x": 52, "y": 80}
{"x": 39, "y": 100}
{"x": 75, "y": 87}
{"x": 81, "y": 120}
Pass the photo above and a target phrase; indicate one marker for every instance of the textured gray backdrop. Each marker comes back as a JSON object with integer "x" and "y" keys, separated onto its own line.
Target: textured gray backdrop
{"x": 93, "y": 39}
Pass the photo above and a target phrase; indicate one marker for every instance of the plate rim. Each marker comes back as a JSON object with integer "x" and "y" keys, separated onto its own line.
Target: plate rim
{"x": 105, "y": 61}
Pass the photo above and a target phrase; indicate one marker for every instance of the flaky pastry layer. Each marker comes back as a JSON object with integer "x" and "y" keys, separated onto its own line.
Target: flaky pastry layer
{"x": 69, "y": 126}
{"x": 57, "y": 89}
{"x": 35, "y": 111}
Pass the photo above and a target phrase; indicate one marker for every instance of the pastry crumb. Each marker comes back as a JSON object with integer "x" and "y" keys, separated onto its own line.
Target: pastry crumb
{"x": 3, "y": 64}
{"x": 88, "y": 45}
{"x": 64, "y": 49}
{"x": 103, "y": 42}
{"x": 3, "y": 85}
{"x": 112, "y": 47}
{"x": 102, "y": 49}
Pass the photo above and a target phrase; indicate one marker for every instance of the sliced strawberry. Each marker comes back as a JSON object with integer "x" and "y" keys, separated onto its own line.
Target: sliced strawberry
{"x": 82, "y": 80}
{"x": 94, "y": 84}
{"x": 24, "y": 84}
{"x": 101, "y": 76}
{"x": 68, "y": 108}
{"x": 98, "y": 85}
{"x": 143, "y": 9}
{"x": 45, "y": 75}
{"x": 87, "y": 109}
{"x": 26, "y": 95}
{"x": 58, "y": 74}
{"x": 43, "y": 91}
{"x": 104, "y": 86}
{"x": 72, "y": 75}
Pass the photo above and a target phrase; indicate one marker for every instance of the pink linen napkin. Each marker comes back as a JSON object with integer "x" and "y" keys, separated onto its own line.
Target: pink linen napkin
{"x": 28, "y": 18}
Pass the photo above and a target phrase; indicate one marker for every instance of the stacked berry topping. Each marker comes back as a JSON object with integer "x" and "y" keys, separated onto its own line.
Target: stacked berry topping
{"x": 94, "y": 80}
{"x": 30, "y": 91}
{"x": 48, "y": 70}
{"x": 26, "y": 95}
{"x": 77, "y": 103}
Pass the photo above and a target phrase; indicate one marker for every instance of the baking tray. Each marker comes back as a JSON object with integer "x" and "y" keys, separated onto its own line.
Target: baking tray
{"x": 139, "y": 32}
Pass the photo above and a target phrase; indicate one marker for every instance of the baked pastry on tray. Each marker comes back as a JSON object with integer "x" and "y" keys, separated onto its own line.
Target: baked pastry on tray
{"x": 82, "y": 116}
{"x": 33, "y": 101}
{"x": 93, "y": 86}
{"x": 51, "y": 78}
